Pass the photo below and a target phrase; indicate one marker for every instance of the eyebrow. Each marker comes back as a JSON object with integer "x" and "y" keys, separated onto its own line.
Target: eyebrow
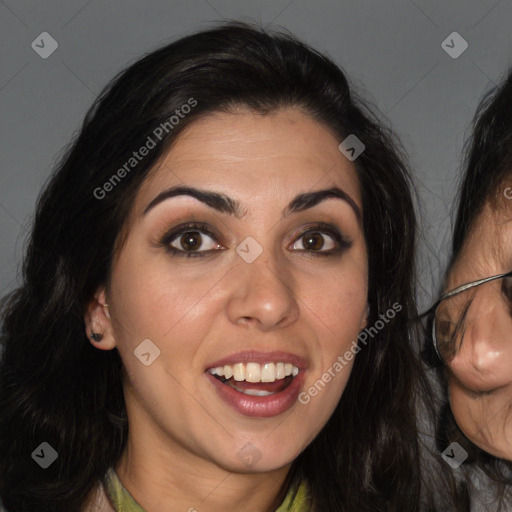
{"x": 225, "y": 204}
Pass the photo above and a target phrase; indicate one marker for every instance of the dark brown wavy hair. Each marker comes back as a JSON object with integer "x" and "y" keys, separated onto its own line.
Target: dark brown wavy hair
{"x": 56, "y": 387}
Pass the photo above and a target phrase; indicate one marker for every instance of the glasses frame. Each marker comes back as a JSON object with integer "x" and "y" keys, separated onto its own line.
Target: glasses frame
{"x": 455, "y": 291}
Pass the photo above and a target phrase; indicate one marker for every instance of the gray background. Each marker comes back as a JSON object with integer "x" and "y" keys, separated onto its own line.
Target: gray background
{"x": 391, "y": 50}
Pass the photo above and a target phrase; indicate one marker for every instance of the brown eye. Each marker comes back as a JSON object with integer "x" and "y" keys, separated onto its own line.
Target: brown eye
{"x": 191, "y": 241}
{"x": 322, "y": 240}
{"x": 313, "y": 241}
{"x": 194, "y": 239}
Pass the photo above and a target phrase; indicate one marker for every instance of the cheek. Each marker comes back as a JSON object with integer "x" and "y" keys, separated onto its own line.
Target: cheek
{"x": 338, "y": 303}
{"x": 155, "y": 297}
{"x": 470, "y": 414}
{"x": 175, "y": 311}
{"x": 170, "y": 307}
{"x": 335, "y": 309}
{"x": 459, "y": 406}
{"x": 468, "y": 418}
{"x": 487, "y": 421}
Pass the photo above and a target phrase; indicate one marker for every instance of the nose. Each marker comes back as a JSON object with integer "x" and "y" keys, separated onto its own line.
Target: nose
{"x": 263, "y": 295}
{"x": 483, "y": 361}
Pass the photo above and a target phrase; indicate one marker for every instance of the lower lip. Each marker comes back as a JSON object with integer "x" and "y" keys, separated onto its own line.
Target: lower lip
{"x": 259, "y": 406}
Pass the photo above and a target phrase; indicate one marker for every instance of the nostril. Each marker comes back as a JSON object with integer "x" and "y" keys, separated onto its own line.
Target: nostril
{"x": 245, "y": 321}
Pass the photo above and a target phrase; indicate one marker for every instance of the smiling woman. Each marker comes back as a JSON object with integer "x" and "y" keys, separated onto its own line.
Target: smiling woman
{"x": 157, "y": 349}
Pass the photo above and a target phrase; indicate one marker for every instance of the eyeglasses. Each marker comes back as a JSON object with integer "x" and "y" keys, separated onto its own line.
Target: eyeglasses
{"x": 451, "y": 315}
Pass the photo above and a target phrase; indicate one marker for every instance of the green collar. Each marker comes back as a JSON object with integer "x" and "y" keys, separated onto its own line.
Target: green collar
{"x": 122, "y": 500}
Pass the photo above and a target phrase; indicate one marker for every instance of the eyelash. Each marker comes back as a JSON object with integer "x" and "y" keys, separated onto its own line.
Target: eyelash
{"x": 343, "y": 242}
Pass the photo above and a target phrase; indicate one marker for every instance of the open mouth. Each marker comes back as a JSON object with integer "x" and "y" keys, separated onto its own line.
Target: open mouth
{"x": 254, "y": 379}
{"x": 257, "y": 384}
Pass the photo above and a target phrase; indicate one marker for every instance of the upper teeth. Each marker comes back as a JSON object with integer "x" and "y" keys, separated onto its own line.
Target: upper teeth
{"x": 255, "y": 372}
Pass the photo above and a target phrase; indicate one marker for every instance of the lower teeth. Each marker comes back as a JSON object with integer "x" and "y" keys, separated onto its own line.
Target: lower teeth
{"x": 254, "y": 392}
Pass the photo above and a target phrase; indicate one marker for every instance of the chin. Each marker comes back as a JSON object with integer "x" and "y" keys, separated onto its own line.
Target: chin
{"x": 254, "y": 454}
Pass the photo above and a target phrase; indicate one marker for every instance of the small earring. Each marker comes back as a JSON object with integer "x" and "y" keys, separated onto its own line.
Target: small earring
{"x": 96, "y": 336}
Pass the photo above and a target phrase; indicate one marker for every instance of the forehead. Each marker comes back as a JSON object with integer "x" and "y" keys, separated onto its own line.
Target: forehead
{"x": 254, "y": 156}
{"x": 223, "y": 131}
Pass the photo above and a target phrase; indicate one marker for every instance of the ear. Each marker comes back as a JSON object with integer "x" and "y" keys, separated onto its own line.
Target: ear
{"x": 97, "y": 320}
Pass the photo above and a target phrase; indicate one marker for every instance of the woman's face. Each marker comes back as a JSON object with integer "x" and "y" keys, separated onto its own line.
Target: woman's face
{"x": 480, "y": 368}
{"x": 270, "y": 279}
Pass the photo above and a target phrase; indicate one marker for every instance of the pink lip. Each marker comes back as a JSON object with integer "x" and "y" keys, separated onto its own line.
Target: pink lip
{"x": 259, "y": 406}
{"x": 261, "y": 358}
